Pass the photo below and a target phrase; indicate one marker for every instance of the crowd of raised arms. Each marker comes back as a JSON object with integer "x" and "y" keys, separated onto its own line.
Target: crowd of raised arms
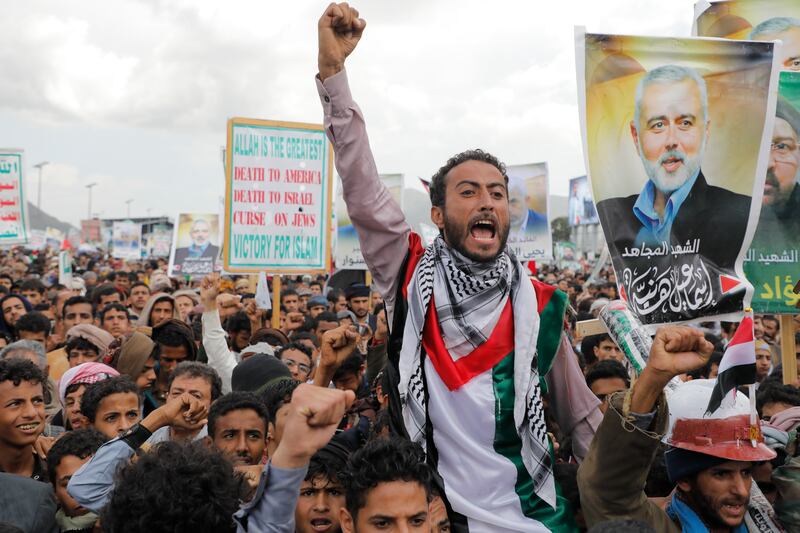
{"x": 133, "y": 401}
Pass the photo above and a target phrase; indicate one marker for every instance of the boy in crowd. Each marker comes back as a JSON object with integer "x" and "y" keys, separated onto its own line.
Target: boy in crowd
{"x": 22, "y": 417}
{"x": 237, "y": 427}
{"x": 111, "y": 406}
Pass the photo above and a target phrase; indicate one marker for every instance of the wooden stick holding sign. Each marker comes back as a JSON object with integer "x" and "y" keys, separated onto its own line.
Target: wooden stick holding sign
{"x": 276, "y": 301}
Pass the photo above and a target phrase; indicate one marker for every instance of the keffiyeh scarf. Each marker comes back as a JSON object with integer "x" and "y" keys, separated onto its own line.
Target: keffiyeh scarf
{"x": 469, "y": 297}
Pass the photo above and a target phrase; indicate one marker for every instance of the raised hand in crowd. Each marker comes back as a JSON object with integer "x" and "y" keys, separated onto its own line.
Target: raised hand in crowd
{"x": 209, "y": 290}
{"x": 339, "y": 30}
{"x": 336, "y": 345}
{"x": 183, "y": 411}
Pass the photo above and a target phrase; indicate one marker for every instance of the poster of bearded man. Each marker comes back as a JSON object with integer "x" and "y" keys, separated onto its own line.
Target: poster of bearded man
{"x": 773, "y": 261}
{"x": 676, "y": 178}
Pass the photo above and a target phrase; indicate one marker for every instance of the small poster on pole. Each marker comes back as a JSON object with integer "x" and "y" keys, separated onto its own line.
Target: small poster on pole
{"x": 14, "y": 224}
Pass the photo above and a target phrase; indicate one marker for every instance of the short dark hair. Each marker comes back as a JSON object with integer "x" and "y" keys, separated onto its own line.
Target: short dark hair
{"x": 203, "y": 490}
{"x": 307, "y": 335}
{"x": 175, "y": 333}
{"x": 288, "y": 292}
{"x": 81, "y": 443}
{"x": 114, "y": 306}
{"x": 384, "y": 461}
{"x": 34, "y": 322}
{"x": 17, "y": 370}
{"x": 608, "y": 368}
{"x": 194, "y": 369}
{"x": 239, "y": 321}
{"x": 277, "y": 394}
{"x": 438, "y": 185}
{"x": 74, "y": 300}
{"x": 140, "y": 284}
{"x": 295, "y": 346}
{"x": 777, "y": 393}
{"x": 95, "y": 392}
{"x": 236, "y": 401}
{"x": 326, "y": 316}
{"x": 104, "y": 290}
{"x": 79, "y": 343}
{"x": 351, "y": 365}
{"x": 32, "y": 284}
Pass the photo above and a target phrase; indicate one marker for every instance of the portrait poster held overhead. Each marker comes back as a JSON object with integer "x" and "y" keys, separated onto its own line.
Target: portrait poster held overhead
{"x": 277, "y": 197}
{"x": 348, "y": 248}
{"x": 676, "y": 179}
{"x": 14, "y": 223}
{"x": 195, "y": 245}
{"x": 580, "y": 208}
{"x": 772, "y": 264}
{"x": 529, "y": 234}
{"x": 126, "y": 240}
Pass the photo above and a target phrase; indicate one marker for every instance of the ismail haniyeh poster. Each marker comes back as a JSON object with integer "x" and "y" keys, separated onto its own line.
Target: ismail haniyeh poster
{"x": 773, "y": 261}
{"x": 195, "y": 245}
{"x": 529, "y": 234}
{"x": 676, "y": 178}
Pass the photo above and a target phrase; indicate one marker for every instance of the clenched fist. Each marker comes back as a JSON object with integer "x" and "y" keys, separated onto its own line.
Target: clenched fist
{"x": 339, "y": 31}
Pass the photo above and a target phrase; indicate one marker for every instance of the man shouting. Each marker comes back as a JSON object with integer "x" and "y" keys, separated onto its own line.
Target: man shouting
{"x": 470, "y": 334}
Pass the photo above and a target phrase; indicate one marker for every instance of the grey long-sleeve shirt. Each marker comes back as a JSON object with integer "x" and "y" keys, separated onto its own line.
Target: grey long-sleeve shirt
{"x": 270, "y": 511}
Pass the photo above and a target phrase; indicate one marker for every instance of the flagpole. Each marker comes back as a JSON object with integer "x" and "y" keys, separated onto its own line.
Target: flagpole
{"x": 752, "y": 390}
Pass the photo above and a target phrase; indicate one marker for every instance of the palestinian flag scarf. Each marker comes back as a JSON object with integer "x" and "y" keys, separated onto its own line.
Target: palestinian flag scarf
{"x": 470, "y": 300}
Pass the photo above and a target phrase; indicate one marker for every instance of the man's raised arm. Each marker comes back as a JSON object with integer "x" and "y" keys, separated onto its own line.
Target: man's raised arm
{"x": 381, "y": 225}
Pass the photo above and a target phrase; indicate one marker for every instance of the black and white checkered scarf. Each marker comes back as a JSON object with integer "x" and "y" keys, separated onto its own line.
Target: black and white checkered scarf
{"x": 469, "y": 298}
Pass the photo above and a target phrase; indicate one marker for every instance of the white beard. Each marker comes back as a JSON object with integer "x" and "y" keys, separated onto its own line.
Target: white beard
{"x": 668, "y": 182}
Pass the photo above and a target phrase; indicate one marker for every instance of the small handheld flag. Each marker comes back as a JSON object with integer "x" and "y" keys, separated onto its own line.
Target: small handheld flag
{"x": 738, "y": 365}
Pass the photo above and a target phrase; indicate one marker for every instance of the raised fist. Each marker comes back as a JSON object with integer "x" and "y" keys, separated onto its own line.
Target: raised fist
{"x": 339, "y": 31}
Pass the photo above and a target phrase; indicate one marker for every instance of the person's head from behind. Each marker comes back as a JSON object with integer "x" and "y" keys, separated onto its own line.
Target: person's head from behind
{"x": 387, "y": 487}
{"x": 350, "y": 374}
{"x": 33, "y": 351}
{"x": 68, "y": 454}
{"x": 112, "y": 405}
{"x": 237, "y": 427}
{"x": 22, "y": 416}
{"x": 175, "y": 487}
{"x": 671, "y": 125}
{"x": 787, "y": 30}
{"x": 33, "y": 326}
{"x": 469, "y": 198}
{"x": 297, "y": 357}
{"x": 322, "y": 493}
{"x": 76, "y": 310}
{"x": 604, "y": 378}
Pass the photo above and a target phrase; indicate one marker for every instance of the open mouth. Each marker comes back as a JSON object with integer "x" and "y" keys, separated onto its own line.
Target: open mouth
{"x": 671, "y": 164}
{"x": 484, "y": 229}
{"x": 28, "y": 428}
{"x": 321, "y": 524}
{"x": 733, "y": 509}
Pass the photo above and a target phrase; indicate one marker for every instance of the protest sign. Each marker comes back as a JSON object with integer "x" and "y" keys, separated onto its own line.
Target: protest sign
{"x": 772, "y": 264}
{"x": 277, "y": 197}
{"x": 37, "y": 240}
{"x": 580, "y": 204}
{"x": 529, "y": 235}
{"x": 348, "y": 249}
{"x": 14, "y": 224}
{"x": 90, "y": 231}
{"x": 195, "y": 247}
{"x": 677, "y": 180}
{"x": 126, "y": 240}
{"x": 160, "y": 241}
{"x": 54, "y": 237}
{"x": 65, "y": 269}
{"x": 566, "y": 255}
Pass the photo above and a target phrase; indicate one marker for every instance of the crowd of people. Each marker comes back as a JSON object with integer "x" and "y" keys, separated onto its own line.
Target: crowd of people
{"x": 455, "y": 393}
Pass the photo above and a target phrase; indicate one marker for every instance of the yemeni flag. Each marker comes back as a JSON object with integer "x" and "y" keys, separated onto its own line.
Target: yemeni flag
{"x": 738, "y": 365}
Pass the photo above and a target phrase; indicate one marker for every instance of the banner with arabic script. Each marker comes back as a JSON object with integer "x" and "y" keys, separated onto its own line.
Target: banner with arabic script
{"x": 14, "y": 223}
{"x": 348, "y": 249}
{"x": 529, "y": 234}
{"x": 676, "y": 178}
{"x": 772, "y": 264}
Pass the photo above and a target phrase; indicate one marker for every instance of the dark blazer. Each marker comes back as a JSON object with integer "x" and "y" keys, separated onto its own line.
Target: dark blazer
{"x": 30, "y": 505}
{"x": 716, "y": 216}
{"x": 181, "y": 254}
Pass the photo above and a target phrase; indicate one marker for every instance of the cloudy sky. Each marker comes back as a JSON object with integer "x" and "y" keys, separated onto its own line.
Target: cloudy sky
{"x": 134, "y": 94}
